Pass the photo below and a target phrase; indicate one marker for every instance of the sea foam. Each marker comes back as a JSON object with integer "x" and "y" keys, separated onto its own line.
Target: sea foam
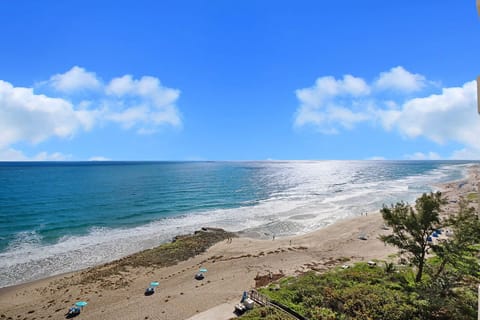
{"x": 301, "y": 197}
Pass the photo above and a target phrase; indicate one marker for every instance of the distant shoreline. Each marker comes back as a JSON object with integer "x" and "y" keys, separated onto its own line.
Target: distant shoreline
{"x": 242, "y": 233}
{"x": 232, "y": 267}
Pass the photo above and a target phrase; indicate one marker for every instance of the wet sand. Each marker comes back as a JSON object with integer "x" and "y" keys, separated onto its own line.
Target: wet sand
{"x": 233, "y": 265}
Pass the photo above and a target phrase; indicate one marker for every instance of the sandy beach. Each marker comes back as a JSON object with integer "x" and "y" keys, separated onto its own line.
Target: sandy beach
{"x": 232, "y": 267}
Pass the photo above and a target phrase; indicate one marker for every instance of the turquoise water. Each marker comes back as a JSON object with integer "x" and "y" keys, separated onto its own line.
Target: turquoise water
{"x": 52, "y": 213}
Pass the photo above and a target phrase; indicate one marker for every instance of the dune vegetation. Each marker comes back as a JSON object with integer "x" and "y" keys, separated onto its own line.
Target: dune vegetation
{"x": 429, "y": 278}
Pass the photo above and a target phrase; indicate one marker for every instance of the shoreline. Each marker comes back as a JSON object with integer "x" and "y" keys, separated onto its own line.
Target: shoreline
{"x": 279, "y": 217}
{"x": 232, "y": 268}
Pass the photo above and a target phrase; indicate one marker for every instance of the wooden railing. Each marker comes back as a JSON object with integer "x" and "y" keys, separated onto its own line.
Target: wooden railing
{"x": 263, "y": 300}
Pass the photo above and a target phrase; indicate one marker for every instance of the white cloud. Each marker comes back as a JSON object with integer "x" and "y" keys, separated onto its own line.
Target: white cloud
{"x": 449, "y": 116}
{"x": 327, "y": 87}
{"x": 75, "y": 79}
{"x": 376, "y": 158}
{"x": 147, "y": 87}
{"x": 98, "y": 158}
{"x": 56, "y": 156}
{"x": 129, "y": 117}
{"x": 400, "y": 79}
{"x": 423, "y": 156}
{"x": 345, "y": 117}
{"x": 26, "y": 116}
{"x": 145, "y": 101}
{"x": 11, "y": 154}
{"x": 466, "y": 154}
{"x": 321, "y": 105}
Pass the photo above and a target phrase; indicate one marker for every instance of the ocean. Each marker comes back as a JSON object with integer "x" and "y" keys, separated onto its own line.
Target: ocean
{"x": 57, "y": 217}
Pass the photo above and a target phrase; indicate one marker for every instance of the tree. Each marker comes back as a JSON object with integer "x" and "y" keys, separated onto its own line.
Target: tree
{"x": 461, "y": 250}
{"x": 411, "y": 227}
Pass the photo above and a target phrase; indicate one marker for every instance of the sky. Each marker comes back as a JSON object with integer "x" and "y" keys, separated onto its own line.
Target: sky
{"x": 239, "y": 80}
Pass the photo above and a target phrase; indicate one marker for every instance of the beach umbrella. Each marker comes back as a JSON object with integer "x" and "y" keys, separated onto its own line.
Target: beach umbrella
{"x": 81, "y": 304}
{"x": 154, "y": 284}
{"x": 203, "y": 270}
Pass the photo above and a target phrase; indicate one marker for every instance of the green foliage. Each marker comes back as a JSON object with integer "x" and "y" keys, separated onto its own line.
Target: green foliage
{"x": 389, "y": 267}
{"x": 454, "y": 271}
{"x": 360, "y": 292}
{"x": 363, "y": 292}
{"x": 180, "y": 249}
{"x": 265, "y": 313}
{"x": 412, "y": 227}
{"x": 472, "y": 196}
{"x": 365, "y": 301}
{"x": 440, "y": 286}
{"x": 460, "y": 251}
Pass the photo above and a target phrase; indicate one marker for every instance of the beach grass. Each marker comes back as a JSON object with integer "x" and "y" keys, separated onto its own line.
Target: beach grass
{"x": 181, "y": 248}
{"x": 473, "y": 196}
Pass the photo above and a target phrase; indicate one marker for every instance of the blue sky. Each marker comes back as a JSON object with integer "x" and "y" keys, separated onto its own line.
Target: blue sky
{"x": 238, "y": 80}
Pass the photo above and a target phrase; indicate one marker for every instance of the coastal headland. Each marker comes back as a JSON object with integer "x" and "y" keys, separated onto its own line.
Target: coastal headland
{"x": 234, "y": 263}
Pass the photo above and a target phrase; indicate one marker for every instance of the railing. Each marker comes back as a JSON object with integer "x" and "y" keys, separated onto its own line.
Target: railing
{"x": 265, "y": 301}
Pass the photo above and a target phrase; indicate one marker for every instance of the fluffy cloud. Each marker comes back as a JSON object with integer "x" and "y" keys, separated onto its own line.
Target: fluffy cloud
{"x": 76, "y": 79}
{"x": 146, "y": 101}
{"x": 29, "y": 116}
{"x": 450, "y": 116}
{"x": 399, "y": 79}
{"x": 327, "y": 87}
{"x": 26, "y": 116}
{"x": 321, "y": 104}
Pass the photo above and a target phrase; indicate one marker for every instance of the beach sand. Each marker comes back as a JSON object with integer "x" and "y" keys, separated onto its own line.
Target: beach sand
{"x": 232, "y": 267}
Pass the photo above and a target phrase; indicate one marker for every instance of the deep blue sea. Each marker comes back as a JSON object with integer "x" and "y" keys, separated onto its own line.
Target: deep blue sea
{"x": 59, "y": 217}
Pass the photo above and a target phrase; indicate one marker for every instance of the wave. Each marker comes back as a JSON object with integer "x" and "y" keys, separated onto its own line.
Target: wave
{"x": 308, "y": 203}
